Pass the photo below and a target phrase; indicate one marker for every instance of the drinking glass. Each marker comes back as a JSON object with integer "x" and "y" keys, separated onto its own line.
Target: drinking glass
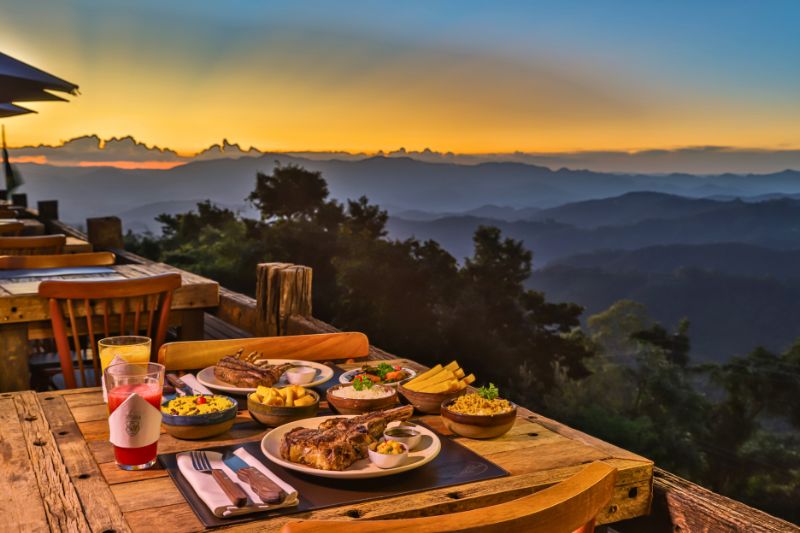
{"x": 134, "y": 431}
{"x": 131, "y": 348}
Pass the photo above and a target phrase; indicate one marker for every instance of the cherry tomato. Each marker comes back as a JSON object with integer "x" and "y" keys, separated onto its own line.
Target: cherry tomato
{"x": 201, "y": 400}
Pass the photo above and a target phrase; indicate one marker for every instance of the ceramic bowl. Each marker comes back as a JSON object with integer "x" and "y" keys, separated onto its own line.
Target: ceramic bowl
{"x": 427, "y": 402}
{"x": 385, "y": 460}
{"x": 350, "y": 406}
{"x": 300, "y": 375}
{"x": 478, "y": 426}
{"x": 347, "y": 377}
{"x": 404, "y": 435}
{"x": 276, "y": 415}
{"x": 193, "y": 427}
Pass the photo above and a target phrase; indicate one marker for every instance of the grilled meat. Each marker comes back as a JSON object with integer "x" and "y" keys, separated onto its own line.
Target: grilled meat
{"x": 339, "y": 442}
{"x": 243, "y": 374}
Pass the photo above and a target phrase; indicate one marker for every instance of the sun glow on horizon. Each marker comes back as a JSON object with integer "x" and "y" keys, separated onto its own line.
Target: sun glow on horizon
{"x": 326, "y": 79}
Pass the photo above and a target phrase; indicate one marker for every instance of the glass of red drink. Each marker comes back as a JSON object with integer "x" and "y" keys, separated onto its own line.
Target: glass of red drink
{"x": 134, "y": 409}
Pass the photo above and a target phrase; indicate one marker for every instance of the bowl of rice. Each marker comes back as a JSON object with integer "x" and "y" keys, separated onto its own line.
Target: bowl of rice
{"x": 357, "y": 399}
{"x": 475, "y": 417}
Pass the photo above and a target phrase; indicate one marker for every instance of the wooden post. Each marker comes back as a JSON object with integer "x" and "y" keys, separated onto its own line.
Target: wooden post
{"x": 105, "y": 232}
{"x": 14, "y": 353}
{"x": 20, "y": 199}
{"x": 282, "y": 290}
{"x": 48, "y": 210}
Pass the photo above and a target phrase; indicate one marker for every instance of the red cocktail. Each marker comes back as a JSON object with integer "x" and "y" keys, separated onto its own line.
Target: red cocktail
{"x": 135, "y": 429}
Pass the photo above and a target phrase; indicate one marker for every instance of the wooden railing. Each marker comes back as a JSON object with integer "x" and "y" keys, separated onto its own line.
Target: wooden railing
{"x": 282, "y": 306}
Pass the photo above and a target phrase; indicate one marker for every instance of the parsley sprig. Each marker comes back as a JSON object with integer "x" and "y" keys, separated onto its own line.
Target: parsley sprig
{"x": 490, "y": 393}
{"x": 361, "y": 383}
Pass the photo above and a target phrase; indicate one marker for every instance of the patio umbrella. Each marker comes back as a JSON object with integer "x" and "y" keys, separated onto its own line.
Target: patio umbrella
{"x": 20, "y": 82}
{"x": 10, "y": 110}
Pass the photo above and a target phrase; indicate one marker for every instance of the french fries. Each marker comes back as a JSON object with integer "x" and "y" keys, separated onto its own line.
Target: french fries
{"x": 439, "y": 379}
{"x": 291, "y": 396}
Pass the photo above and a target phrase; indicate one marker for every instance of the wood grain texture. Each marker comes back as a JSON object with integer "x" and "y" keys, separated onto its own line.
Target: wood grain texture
{"x": 60, "y": 498}
{"x": 321, "y": 347}
{"x": 21, "y": 505}
{"x": 57, "y": 261}
{"x": 99, "y": 505}
{"x": 14, "y": 352}
{"x": 561, "y": 508}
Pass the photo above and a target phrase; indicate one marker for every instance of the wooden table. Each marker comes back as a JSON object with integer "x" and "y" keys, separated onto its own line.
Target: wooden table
{"x": 26, "y": 316}
{"x": 31, "y": 226}
{"x": 75, "y": 245}
{"x": 59, "y": 471}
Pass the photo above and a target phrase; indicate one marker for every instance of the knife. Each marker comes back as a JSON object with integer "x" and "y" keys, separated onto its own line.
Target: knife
{"x": 267, "y": 490}
{"x": 181, "y": 388}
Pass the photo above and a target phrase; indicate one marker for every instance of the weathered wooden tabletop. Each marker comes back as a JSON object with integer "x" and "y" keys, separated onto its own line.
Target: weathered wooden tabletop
{"x": 58, "y": 471}
{"x": 24, "y": 315}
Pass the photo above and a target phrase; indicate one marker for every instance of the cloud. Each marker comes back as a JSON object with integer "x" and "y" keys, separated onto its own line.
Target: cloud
{"x": 127, "y": 152}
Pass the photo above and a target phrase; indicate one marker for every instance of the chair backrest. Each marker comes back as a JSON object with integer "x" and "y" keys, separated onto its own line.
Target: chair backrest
{"x": 10, "y": 262}
{"x": 11, "y": 228}
{"x": 39, "y": 245}
{"x": 105, "y": 306}
{"x": 319, "y": 347}
{"x": 571, "y": 505}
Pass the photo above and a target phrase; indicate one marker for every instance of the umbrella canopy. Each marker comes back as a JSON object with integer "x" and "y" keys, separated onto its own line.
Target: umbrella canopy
{"x": 20, "y": 82}
{"x": 10, "y": 110}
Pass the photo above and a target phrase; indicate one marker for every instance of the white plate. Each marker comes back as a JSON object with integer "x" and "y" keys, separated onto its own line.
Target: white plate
{"x": 207, "y": 377}
{"x": 426, "y": 451}
{"x": 347, "y": 377}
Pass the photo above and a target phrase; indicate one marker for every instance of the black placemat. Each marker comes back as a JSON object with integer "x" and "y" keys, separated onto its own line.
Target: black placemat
{"x": 454, "y": 465}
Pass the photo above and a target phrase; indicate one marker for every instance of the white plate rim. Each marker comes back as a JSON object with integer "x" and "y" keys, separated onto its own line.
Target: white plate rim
{"x": 343, "y": 380}
{"x": 312, "y": 423}
{"x": 326, "y": 373}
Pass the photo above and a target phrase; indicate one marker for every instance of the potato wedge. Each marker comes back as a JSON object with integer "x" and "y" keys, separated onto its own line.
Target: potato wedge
{"x": 444, "y": 375}
{"x": 452, "y": 366}
{"x": 443, "y": 386}
{"x": 425, "y": 375}
{"x": 469, "y": 380}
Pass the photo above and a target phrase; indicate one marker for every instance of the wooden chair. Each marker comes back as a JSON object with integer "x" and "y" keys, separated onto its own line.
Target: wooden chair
{"x": 106, "y": 304}
{"x": 8, "y": 212}
{"x": 569, "y": 506}
{"x": 12, "y": 262}
{"x": 321, "y": 347}
{"x": 12, "y": 229}
{"x": 39, "y": 245}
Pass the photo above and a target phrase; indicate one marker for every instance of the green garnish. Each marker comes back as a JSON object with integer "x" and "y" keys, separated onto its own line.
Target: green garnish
{"x": 490, "y": 393}
{"x": 383, "y": 369}
{"x": 361, "y": 383}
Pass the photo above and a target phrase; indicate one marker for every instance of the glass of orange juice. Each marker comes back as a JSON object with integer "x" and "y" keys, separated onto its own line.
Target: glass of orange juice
{"x": 130, "y": 348}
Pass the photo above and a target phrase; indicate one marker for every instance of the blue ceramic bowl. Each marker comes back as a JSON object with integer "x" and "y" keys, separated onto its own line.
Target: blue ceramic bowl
{"x": 195, "y": 427}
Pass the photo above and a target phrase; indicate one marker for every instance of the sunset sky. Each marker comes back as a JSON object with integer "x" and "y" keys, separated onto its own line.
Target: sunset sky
{"x": 459, "y": 76}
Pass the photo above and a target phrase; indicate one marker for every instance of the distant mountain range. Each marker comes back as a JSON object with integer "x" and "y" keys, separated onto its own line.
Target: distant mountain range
{"x": 403, "y": 183}
{"x": 693, "y": 159}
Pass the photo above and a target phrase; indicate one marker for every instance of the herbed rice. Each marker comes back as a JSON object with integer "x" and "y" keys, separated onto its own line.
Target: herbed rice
{"x": 473, "y": 404}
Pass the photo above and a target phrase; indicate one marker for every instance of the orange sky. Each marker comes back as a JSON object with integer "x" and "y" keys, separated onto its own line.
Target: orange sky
{"x": 185, "y": 79}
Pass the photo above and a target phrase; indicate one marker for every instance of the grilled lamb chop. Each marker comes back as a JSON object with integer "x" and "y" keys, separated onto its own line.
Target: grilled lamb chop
{"x": 244, "y": 374}
{"x": 339, "y": 442}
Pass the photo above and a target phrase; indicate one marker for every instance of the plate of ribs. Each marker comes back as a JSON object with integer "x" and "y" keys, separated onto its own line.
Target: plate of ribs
{"x": 243, "y": 374}
{"x": 337, "y": 446}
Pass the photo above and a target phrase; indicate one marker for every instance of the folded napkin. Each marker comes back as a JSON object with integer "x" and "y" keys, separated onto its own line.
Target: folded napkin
{"x": 213, "y": 496}
{"x": 194, "y": 384}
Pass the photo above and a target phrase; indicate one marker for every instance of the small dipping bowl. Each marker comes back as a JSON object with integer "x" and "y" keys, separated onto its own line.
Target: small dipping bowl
{"x": 404, "y": 435}
{"x": 300, "y": 375}
{"x": 386, "y": 460}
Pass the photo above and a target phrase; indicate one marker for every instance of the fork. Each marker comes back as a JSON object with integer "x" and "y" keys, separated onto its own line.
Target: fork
{"x": 233, "y": 491}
